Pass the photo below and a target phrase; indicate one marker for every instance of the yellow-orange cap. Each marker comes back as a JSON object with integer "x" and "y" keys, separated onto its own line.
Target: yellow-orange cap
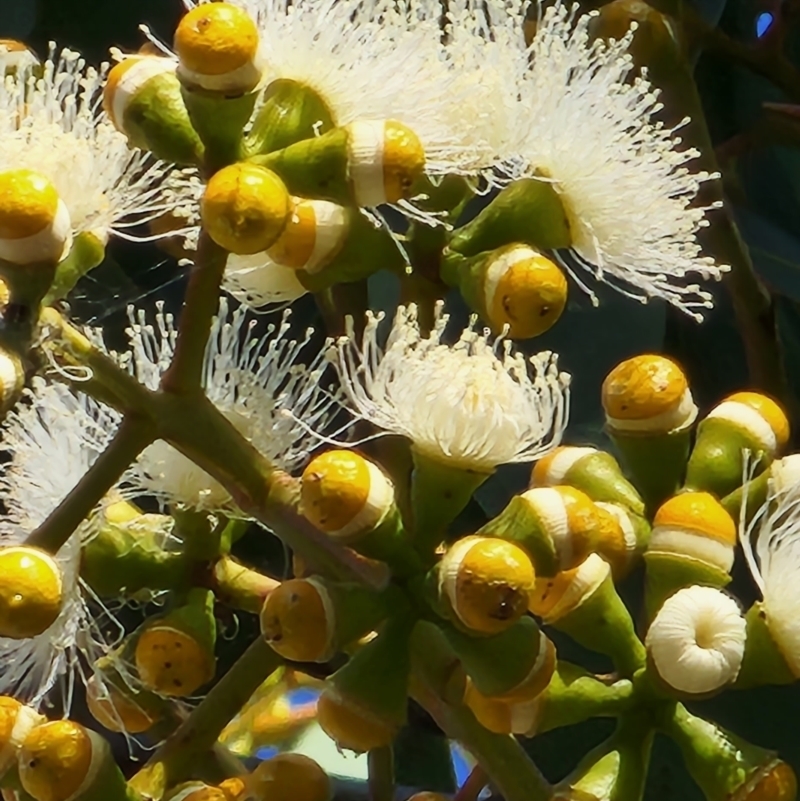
{"x": 350, "y": 725}
{"x": 775, "y": 782}
{"x": 769, "y": 409}
{"x": 171, "y": 662}
{"x": 31, "y": 592}
{"x": 642, "y": 387}
{"x": 697, "y": 512}
{"x": 289, "y": 777}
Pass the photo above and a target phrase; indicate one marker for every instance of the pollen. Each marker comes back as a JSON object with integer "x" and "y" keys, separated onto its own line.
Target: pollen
{"x": 334, "y": 489}
{"x": 216, "y": 38}
{"x": 30, "y": 593}
{"x": 171, "y": 662}
{"x": 524, "y": 291}
{"x": 295, "y": 621}
{"x": 55, "y": 760}
{"x": 245, "y": 208}
{"x": 643, "y": 387}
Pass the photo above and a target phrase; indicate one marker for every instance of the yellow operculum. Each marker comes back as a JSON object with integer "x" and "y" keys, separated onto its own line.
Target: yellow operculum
{"x": 114, "y": 710}
{"x": 171, "y": 662}
{"x": 698, "y": 512}
{"x": 289, "y": 777}
{"x": 350, "y": 725}
{"x": 642, "y": 387}
{"x": 770, "y": 410}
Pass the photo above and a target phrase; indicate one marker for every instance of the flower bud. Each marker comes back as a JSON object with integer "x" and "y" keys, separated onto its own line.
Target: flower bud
{"x": 12, "y": 378}
{"x": 31, "y": 592}
{"x": 626, "y": 537}
{"x": 196, "y": 791}
{"x": 485, "y": 583}
{"x": 34, "y": 222}
{"x": 289, "y": 777}
{"x": 115, "y": 709}
{"x": 558, "y": 527}
{"x": 310, "y": 620}
{"x": 502, "y": 717}
{"x": 363, "y": 704}
{"x": 513, "y": 286}
{"x": 344, "y": 494}
{"x": 16, "y": 722}
{"x": 696, "y": 641}
{"x": 218, "y": 49}
{"x": 745, "y": 421}
{"x": 649, "y": 415}
{"x": 142, "y": 97}
{"x": 234, "y": 789}
{"x": 314, "y": 234}
{"x": 245, "y": 207}
{"x": 590, "y": 470}
{"x": 175, "y": 655}
{"x": 385, "y": 159}
{"x": 63, "y": 761}
{"x": 693, "y": 542}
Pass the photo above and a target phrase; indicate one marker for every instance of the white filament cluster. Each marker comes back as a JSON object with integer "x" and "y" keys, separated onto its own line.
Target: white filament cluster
{"x": 474, "y": 403}
{"x": 52, "y": 121}
{"x": 259, "y": 383}
{"x": 52, "y": 440}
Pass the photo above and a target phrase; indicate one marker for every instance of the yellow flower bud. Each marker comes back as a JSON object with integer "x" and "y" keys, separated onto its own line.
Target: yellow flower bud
{"x": 525, "y": 291}
{"x": 775, "y": 782}
{"x": 115, "y": 711}
{"x": 16, "y": 722}
{"x": 344, "y": 494}
{"x": 555, "y": 597}
{"x": 313, "y": 235}
{"x": 487, "y": 582}
{"x": 385, "y": 159}
{"x": 172, "y": 662}
{"x": 695, "y": 525}
{"x": 125, "y": 79}
{"x": 289, "y": 777}
{"x": 12, "y": 377}
{"x": 760, "y": 416}
{"x": 218, "y": 49}
{"x": 502, "y": 717}
{"x": 350, "y": 725}
{"x": 647, "y": 393}
{"x": 617, "y": 543}
{"x": 234, "y": 789}
{"x": 30, "y": 592}
{"x": 57, "y": 761}
{"x": 34, "y": 222}
{"x": 245, "y": 207}
{"x": 297, "y": 621}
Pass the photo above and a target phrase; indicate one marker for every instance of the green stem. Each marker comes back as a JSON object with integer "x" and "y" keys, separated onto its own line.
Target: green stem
{"x": 200, "y": 304}
{"x": 133, "y": 435}
{"x": 380, "y": 762}
{"x": 506, "y": 763}
{"x": 175, "y": 759}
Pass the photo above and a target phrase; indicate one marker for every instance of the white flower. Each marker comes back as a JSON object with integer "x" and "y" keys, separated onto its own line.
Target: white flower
{"x": 475, "y": 404}
{"x": 259, "y": 383}
{"x": 771, "y": 545}
{"x": 53, "y": 123}
{"x": 624, "y": 178}
{"x": 52, "y": 442}
{"x": 696, "y": 640}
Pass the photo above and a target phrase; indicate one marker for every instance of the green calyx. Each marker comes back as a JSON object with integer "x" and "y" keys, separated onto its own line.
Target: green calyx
{"x": 439, "y": 492}
{"x": 195, "y": 617}
{"x": 717, "y": 460}
{"x": 519, "y": 523}
{"x": 667, "y": 573}
{"x": 86, "y": 253}
{"x": 763, "y": 662}
{"x": 126, "y": 558}
{"x": 599, "y": 475}
{"x": 656, "y": 462}
{"x": 752, "y": 495}
{"x": 290, "y": 112}
{"x": 717, "y": 760}
{"x": 108, "y": 783}
{"x": 528, "y": 211}
{"x": 156, "y": 119}
{"x": 314, "y": 168}
{"x": 376, "y": 677}
{"x": 602, "y": 623}
{"x": 240, "y": 586}
{"x": 501, "y": 663}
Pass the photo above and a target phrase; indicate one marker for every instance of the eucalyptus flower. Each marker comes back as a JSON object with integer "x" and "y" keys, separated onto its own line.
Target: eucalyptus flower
{"x": 259, "y": 383}
{"x": 588, "y": 124}
{"x": 52, "y": 441}
{"x": 475, "y": 404}
{"x": 52, "y": 122}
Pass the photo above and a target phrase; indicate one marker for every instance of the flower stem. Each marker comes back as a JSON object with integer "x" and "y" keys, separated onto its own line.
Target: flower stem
{"x": 200, "y": 304}
{"x": 133, "y": 435}
{"x": 380, "y": 762}
{"x": 173, "y": 761}
{"x": 473, "y": 786}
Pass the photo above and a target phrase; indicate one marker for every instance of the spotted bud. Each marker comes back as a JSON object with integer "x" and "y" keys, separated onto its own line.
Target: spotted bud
{"x": 34, "y": 222}
{"x": 63, "y": 761}
{"x": 31, "y": 593}
{"x": 485, "y": 582}
{"x": 142, "y": 97}
{"x": 218, "y": 49}
{"x": 174, "y": 655}
{"x": 16, "y": 722}
{"x": 590, "y": 470}
{"x": 289, "y": 777}
{"x": 745, "y": 421}
{"x": 558, "y": 527}
{"x": 245, "y": 207}
{"x": 117, "y": 710}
